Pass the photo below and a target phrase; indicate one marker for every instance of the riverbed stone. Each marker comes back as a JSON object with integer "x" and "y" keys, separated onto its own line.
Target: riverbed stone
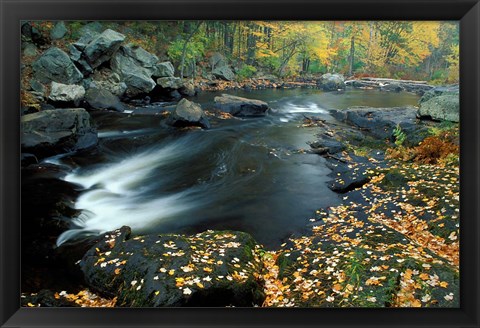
{"x": 57, "y": 131}
{"x": 188, "y": 113}
{"x": 212, "y": 268}
{"x": 239, "y": 106}
{"x": 55, "y": 65}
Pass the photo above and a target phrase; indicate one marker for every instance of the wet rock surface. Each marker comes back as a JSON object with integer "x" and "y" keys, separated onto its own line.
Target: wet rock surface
{"x": 57, "y": 131}
{"x": 381, "y": 122}
{"x": 188, "y": 113}
{"x": 238, "y": 106}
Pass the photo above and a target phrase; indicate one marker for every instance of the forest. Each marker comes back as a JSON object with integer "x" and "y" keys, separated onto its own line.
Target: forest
{"x": 396, "y": 49}
{"x": 427, "y": 50}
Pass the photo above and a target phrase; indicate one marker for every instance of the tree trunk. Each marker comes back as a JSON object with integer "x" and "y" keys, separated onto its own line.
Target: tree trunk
{"x": 352, "y": 55}
{"x": 184, "y": 50}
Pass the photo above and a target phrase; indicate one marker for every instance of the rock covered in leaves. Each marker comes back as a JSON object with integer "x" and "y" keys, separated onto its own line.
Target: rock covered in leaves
{"x": 213, "y": 268}
{"x": 348, "y": 176}
{"x": 48, "y": 298}
{"x": 188, "y": 113}
{"x": 394, "y": 245}
{"x": 57, "y": 131}
{"x": 239, "y": 106}
{"x": 55, "y": 65}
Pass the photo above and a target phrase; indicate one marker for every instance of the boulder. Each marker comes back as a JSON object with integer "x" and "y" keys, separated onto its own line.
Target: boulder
{"x": 170, "y": 82}
{"x": 392, "y": 87}
{"x": 27, "y": 159}
{"x": 439, "y": 91}
{"x": 188, "y": 113}
{"x": 224, "y": 73}
{"x": 75, "y": 54}
{"x": 331, "y": 82}
{"x": 441, "y": 103}
{"x": 117, "y": 89}
{"x": 188, "y": 89}
{"x": 443, "y": 108}
{"x": 327, "y": 145}
{"x": 217, "y": 60}
{"x": 103, "y": 99}
{"x": 164, "y": 69}
{"x": 58, "y": 131}
{"x": 58, "y": 31}
{"x": 239, "y": 106}
{"x": 380, "y": 122}
{"x": 102, "y": 47}
{"x": 55, "y": 65}
{"x": 137, "y": 78}
{"x": 108, "y": 80}
{"x": 87, "y": 34}
{"x": 37, "y": 86}
{"x": 63, "y": 93}
{"x": 212, "y": 268}
{"x": 29, "y": 49}
{"x": 143, "y": 58}
{"x": 47, "y": 298}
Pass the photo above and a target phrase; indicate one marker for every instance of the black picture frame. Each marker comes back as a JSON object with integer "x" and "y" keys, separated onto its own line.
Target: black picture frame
{"x": 13, "y": 11}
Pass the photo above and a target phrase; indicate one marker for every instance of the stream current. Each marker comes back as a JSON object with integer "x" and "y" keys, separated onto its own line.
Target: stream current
{"x": 242, "y": 174}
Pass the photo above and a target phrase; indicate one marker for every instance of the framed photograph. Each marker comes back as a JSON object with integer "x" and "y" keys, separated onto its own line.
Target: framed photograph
{"x": 239, "y": 163}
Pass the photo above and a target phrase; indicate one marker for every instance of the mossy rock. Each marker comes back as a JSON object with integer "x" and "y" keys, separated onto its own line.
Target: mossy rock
{"x": 213, "y": 268}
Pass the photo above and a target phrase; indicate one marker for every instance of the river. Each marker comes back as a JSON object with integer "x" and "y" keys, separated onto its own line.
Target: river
{"x": 242, "y": 174}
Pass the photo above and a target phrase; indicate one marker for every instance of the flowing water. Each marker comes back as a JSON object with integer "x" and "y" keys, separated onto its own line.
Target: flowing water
{"x": 243, "y": 174}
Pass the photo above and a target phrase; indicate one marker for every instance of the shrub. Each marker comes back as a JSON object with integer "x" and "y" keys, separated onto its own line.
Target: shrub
{"x": 246, "y": 72}
{"x": 434, "y": 149}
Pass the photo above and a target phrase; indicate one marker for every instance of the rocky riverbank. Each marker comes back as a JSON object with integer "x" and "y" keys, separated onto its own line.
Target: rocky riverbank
{"x": 393, "y": 242}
